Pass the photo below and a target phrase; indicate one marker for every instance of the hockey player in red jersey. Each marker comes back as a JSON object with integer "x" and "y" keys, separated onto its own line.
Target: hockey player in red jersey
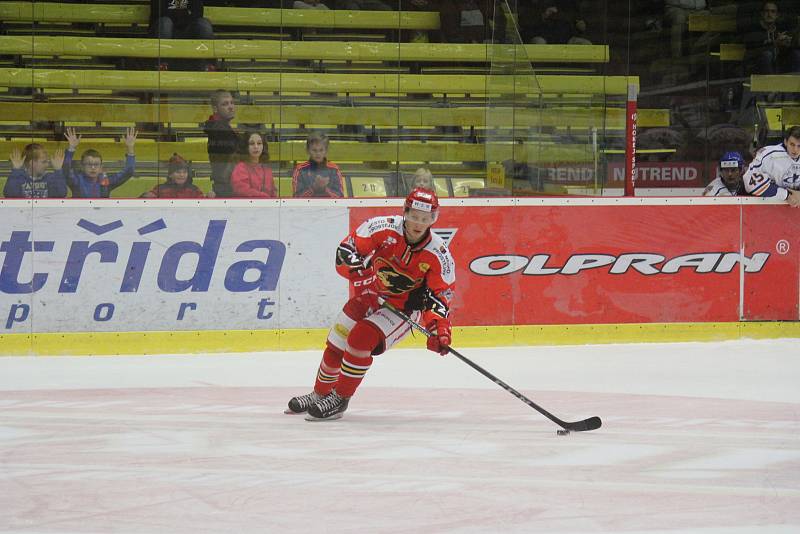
{"x": 390, "y": 261}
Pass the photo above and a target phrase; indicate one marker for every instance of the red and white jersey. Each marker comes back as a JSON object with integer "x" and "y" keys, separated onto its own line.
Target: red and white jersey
{"x": 400, "y": 267}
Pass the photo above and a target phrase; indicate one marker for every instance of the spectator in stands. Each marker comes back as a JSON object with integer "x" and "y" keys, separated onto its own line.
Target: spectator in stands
{"x": 729, "y": 177}
{"x": 309, "y": 4}
{"x": 223, "y": 141}
{"x": 552, "y": 22}
{"x": 471, "y": 21}
{"x": 29, "y": 177}
{"x": 317, "y": 177}
{"x": 252, "y": 177}
{"x": 422, "y": 177}
{"x": 179, "y": 182}
{"x": 365, "y": 5}
{"x": 180, "y": 19}
{"x": 420, "y": 36}
{"x": 794, "y": 51}
{"x": 768, "y": 43}
{"x": 90, "y": 180}
{"x": 676, "y": 13}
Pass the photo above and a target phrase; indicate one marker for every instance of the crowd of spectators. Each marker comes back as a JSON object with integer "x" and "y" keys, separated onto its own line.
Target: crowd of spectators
{"x": 239, "y": 161}
{"x": 553, "y": 22}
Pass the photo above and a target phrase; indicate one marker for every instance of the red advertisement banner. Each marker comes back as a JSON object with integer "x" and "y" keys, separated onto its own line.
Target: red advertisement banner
{"x": 620, "y": 264}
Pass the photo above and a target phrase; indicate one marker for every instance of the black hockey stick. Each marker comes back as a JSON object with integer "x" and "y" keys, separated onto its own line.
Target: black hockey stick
{"x": 591, "y": 423}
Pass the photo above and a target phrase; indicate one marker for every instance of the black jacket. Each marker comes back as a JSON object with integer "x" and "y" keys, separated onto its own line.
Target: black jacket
{"x": 223, "y": 142}
{"x": 182, "y": 12}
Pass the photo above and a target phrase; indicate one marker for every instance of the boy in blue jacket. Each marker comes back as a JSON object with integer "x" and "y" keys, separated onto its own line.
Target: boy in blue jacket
{"x": 90, "y": 181}
{"x": 29, "y": 177}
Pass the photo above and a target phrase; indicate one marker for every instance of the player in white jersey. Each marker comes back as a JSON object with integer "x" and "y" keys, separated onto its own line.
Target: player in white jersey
{"x": 775, "y": 171}
{"x": 728, "y": 182}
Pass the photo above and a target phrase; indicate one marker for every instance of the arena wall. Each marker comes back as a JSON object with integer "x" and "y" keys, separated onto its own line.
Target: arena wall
{"x": 149, "y": 276}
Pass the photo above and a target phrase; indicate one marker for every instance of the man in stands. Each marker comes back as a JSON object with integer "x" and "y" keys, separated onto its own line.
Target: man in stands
{"x": 729, "y": 177}
{"x": 768, "y": 43}
{"x": 223, "y": 141}
{"x": 180, "y": 19}
{"x": 391, "y": 262}
{"x": 775, "y": 171}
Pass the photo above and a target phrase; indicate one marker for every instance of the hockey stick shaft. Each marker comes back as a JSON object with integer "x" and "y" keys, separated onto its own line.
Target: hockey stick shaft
{"x": 591, "y": 423}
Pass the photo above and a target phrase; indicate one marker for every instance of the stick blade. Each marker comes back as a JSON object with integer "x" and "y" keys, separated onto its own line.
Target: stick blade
{"x": 593, "y": 423}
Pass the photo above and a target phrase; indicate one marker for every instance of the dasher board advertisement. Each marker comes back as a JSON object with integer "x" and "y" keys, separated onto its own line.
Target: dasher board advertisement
{"x": 606, "y": 264}
{"x": 183, "y": 265}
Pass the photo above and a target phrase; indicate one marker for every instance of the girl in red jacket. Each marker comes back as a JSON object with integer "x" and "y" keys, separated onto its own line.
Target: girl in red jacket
{"x": 252, "y": 177}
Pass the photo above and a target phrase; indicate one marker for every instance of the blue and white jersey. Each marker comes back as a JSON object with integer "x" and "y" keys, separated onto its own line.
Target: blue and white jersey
{"x": 772, "y": 172}
{"x": 717, "y": 188}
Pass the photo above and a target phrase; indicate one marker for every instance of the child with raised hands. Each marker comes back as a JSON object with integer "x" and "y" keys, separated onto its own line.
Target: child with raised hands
{"x": 90, "y": 179}
{"x": 29, "y": 177}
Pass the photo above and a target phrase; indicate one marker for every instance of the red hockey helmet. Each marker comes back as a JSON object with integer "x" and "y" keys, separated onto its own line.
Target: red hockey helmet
{"x": 423, "y": 200}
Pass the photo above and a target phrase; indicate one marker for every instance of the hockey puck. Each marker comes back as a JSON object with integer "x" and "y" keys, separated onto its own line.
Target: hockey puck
{"x": 562, "y": 432}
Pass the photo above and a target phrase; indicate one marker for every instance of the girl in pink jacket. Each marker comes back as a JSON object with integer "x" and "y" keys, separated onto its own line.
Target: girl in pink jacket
{"x": 252, "y": 177}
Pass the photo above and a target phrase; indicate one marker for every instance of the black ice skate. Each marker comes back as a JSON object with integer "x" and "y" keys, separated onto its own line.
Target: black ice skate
{"x": 330, "y": 408}
{"x": 302, "y": 403}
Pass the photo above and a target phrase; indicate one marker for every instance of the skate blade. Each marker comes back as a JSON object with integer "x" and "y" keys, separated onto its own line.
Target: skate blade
{"x": 287, "y": 411}
{"x": 323, "y": 419}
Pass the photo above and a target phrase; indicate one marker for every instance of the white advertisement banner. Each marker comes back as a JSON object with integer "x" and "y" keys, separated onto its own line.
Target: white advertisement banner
{"x": 183, "y": 265}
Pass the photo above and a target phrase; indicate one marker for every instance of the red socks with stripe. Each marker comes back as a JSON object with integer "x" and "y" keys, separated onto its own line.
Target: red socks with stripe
{"x": 363, "y": 339}
{"x": 329, "y": 369}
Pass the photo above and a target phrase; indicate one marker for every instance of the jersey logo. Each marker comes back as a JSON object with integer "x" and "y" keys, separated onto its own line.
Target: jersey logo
{"x": 395, "y": 282}
{"x": 424, "y": 267}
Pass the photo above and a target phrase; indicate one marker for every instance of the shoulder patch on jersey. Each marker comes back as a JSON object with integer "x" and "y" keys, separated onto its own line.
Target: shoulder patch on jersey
{"x": 377, "y": 224}
{"x": 440, "y": 250}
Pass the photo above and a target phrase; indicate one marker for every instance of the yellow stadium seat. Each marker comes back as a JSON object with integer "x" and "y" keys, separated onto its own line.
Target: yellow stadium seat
{"x": 709, "y": 22}
{"x": 391, "y": 84}
{"x": 285, "y": 186}
{"x": 775, "y": 83}
{"x": 731, "y": 52}
{"x": 221, "y": 16}
{"x": 440, "y": 186}
{"x": 461, "y": 186}
{"x": 378, "y": 115}
{"x": 367, "y": 186}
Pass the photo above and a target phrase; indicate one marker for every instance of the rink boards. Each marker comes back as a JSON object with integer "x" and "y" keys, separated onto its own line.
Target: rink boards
{"x": 139, "y": 276}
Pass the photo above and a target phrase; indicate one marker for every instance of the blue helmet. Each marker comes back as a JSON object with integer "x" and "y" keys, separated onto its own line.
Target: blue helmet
{"x": 731, "y": 160}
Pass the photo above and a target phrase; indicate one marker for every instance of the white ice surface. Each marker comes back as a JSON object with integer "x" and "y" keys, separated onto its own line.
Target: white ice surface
{"x": 696, "y": 437}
